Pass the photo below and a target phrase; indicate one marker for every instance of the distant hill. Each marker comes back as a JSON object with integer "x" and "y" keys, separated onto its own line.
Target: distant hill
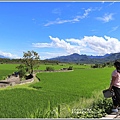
{"x": 76, "y": 58}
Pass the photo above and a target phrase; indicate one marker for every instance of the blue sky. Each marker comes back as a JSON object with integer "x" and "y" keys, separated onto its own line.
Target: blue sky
{"x": 59, "y": 28}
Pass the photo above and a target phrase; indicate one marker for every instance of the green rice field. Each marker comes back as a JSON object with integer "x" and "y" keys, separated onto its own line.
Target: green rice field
{"x": 6, "y": 69}
{"x": 80, "y": 82}
{"x": 53, "y": 89}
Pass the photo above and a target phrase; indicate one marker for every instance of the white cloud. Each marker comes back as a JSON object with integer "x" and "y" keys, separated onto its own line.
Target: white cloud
{"x": 86, "y": 12}
{"x": 114, "y": 29}
{"x": 57, "y": 43}
{"x": 57, "y": 11}
{"x": 99, "y": 45}
{"x": 42, "y": 45}
{"x": 92, "y": 45}
{"x": 76, "y": 19}
{"x": 106, "y": 17}
{"x": 58, "y": 21}
{"x": 9, "y": 55}
{"x": 64, "y": 45}
{"x": 111, "y": 3}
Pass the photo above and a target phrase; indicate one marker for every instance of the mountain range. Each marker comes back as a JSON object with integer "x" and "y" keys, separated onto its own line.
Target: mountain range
{"x": 86, "y": 59}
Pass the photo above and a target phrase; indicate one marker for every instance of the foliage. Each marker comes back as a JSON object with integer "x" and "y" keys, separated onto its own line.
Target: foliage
{"x": 70, "y": 68}
{"x": 21, "y": 70}
{"x": 97, "y": 110}
{"x": 104, "y": 104}
{"x": 108, "y": 64}
{"x": 10, "y": 61}
{"x": 49, "y": 68}
{"x": 4, "y": 77}
{"x": 31, "y": 60}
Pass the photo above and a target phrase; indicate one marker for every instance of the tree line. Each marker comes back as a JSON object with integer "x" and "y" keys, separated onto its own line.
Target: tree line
{"x": 108, "y": 64}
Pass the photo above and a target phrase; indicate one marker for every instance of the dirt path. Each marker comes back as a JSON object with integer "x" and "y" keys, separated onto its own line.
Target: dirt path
{"x": 13, "y": 81}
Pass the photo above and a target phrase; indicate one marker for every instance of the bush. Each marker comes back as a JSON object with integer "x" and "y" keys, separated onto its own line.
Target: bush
{"x": 4, "y": 77}
{"x": 97, "y": 110}
{"x": 49, "y": 69}
{"x": 70, "y": 68}
{"x": 21, "y": 71}
{"x": 104, "y": 104}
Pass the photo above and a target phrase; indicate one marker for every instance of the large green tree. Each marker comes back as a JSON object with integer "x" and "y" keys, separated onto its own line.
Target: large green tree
{"x": 31, "y": 60}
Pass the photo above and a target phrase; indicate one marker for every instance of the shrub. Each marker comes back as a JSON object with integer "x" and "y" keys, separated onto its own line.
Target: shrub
{"x": 22, "y": 71}
{"x": 97, "y": 110}
{"x": 49, "y": 69}
{"x": 70, "y": 68}
{"x": 4, "y": 77}
{"x": 104, "y": 104}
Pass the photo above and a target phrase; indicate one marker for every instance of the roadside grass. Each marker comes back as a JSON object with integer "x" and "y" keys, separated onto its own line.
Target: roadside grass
{"x": 78, "y": 105}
